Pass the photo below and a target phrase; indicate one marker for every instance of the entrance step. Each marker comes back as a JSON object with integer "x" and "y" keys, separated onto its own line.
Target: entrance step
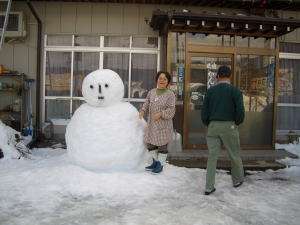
{"x": 252, "y": 159}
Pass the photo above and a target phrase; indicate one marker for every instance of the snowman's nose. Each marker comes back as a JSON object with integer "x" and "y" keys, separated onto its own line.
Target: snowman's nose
{"x": 100, "y": 88}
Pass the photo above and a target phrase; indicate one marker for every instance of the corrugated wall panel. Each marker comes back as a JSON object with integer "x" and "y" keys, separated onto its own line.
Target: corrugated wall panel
{"x": 99, "y": 18}
{"x": 145, "y": 15}
{"x": 131, "y": 19}
{"x": 7, "y": 56}
{"x": 68, "y": 18}
{"x": 52, "y": 17}
{"x": 84, "y": 18}
{"x": 114, "y": 18}
{"x": 20, "y": 62}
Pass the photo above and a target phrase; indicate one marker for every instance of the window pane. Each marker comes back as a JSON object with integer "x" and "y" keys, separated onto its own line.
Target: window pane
{"x": 256, "y": 80}
{"x": 203, "y": 39}
{"x": 242, "y": 41}
{"x": 118, "y": 62}
{"x": 76, "y": 104}
{"x": 176, "y": 51}
{"x": 59, "y": 40}
{"x": 228, "y": 40}
{"x": 57, "y": 109}
{"x": 84, "y": 63}
{"x": 58, "y": 73}
{"x": 143, "y": 71}
{"x": 116, "y": 41}
{"x": 289, "y": 81}
{"x": 289, "y": 47}
{"x": 87, "y": 41}
{"x": 262, "y": 43}
{"x": 288, "y": 118}
{"x": 145, "y": 42}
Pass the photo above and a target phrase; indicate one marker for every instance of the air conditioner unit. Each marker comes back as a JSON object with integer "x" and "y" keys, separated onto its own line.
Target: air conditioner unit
{"x": 15, "y": 26}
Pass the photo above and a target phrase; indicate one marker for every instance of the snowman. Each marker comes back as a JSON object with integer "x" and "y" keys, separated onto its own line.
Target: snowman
{"x": 105, "y": 133}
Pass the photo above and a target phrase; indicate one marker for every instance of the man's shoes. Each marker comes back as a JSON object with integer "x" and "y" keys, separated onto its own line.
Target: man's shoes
{"x": 209, "y": 192}
{"x": 158, "y": 168}
{"x": 238, "y": 184}
{"x": 152, "y": 166}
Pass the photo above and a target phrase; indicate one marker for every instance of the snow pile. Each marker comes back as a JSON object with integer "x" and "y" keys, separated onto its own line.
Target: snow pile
{"x": 292, "y": 148}
{"x": 106, "y": 133}
{"x": 56, "y": 191}
{"x": 292, "y": 164}
{"x": 7, "y": 141}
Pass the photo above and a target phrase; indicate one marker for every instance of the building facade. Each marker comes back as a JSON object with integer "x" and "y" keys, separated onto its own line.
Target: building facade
{"x": 79, "y": 37}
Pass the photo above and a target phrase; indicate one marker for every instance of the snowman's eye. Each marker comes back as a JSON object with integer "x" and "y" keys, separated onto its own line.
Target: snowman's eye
{"x": 106, "y": 85}
{"x": 91, "y": 86}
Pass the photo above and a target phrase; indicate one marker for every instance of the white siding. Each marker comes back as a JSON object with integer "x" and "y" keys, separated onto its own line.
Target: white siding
{"x": 99, "y": 18}
{"x": 68, "y": 18}
{"x": 88, "y": 18}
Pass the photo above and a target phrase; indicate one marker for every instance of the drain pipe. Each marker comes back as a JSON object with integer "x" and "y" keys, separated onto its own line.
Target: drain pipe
{"x": 38, "y": 70}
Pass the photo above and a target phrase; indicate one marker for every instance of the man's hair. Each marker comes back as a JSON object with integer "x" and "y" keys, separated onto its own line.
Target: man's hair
{"x": 168, "y": 76}
{"x": 224, "y": 71}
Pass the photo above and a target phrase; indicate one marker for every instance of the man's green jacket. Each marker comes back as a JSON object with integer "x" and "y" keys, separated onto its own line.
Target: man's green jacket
{"x": 223, "y": 102}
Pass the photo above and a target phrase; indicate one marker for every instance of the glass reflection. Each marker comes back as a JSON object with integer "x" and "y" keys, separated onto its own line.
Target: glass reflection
{"x": 58, "y": 73}
{"x": 118, "y": 62}
{"x": 255, "y": 77}
{"x": 84, "y": 63}
{"x": 143, "y": 71}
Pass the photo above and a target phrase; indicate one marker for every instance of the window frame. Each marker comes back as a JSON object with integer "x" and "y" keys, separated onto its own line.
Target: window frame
{"x": 101, "y": 50}
{"x": 287, "y": 55}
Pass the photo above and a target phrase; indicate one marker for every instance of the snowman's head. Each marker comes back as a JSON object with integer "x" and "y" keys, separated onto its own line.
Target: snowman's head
{"x": 102, "y": 88}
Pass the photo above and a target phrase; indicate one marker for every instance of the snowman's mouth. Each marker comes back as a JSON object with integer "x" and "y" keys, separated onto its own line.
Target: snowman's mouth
{"x": 100, "y": 97}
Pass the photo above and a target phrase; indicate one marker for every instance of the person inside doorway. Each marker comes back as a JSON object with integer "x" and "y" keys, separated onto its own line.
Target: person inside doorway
{"x": 223, "y": 110}
{"x": 160, "y": 107}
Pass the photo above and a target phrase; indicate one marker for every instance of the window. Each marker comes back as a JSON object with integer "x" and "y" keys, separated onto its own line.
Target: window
{"x": 143, "y": 71}
{"x": 288, "y": 106}
{"x": 69, "y": 58}
{"x": 255, "y": 78}
{"x": 58, "y": 73}
{"x": 118, "y": 62}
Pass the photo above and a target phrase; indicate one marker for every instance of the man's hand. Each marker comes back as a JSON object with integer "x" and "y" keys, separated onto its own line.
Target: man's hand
{"x": 157, "y": 116}
{"x": 141, "y": 115}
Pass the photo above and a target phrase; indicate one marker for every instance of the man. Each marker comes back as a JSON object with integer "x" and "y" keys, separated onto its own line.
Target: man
{"x": 223, "y": 110}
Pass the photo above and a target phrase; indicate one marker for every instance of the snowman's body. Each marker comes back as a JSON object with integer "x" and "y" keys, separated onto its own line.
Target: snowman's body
{"x": 105, "y": 133}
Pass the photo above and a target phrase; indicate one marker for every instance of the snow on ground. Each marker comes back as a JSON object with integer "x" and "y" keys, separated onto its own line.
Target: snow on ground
{"x": 49, "y": 189}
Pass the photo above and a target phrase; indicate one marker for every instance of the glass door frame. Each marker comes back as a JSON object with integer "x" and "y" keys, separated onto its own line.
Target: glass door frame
{"x": 192, "y": 49}
{"x": 186, "y": 128}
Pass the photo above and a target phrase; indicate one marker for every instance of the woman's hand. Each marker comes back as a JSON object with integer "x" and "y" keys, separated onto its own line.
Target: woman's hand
{"x": 141, "y": 115}
{"x": 157, "y": 116}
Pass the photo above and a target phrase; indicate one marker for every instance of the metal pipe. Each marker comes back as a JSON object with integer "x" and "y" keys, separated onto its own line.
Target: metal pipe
{"x": 38, "y": 69}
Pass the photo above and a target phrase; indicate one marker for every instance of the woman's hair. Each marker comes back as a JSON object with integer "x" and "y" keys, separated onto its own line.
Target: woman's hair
{"x": 168, "y": 76}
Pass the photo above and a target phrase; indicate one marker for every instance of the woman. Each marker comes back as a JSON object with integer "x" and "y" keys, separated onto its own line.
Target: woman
{"x": 160, "y": 107}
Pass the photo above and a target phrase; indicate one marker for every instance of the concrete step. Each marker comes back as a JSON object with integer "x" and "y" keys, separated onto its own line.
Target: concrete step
{"x": 252, "y": 159}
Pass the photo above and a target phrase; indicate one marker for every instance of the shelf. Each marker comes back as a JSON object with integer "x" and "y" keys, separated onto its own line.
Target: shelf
{"x": 9, "y": 90}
